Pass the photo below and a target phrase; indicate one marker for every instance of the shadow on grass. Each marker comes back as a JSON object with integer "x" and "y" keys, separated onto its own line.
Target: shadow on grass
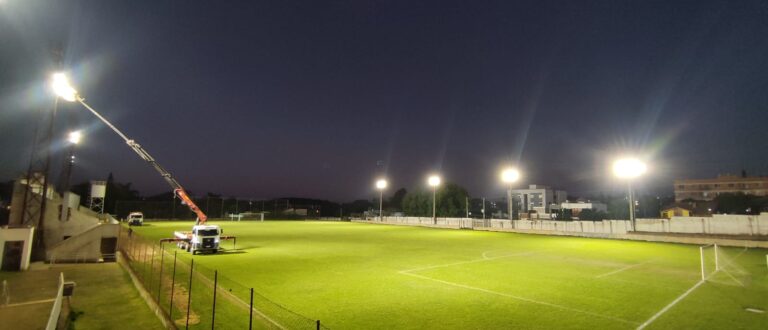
{"x": 238, "y": 251}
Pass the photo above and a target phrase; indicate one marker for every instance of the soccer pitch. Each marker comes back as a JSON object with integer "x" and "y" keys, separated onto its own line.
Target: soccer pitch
{"x": 361, "y": 276}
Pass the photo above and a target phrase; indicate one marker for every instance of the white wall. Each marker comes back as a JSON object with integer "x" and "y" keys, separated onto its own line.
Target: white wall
{"x": 85, "y": 246}
{"x": 716, "y": 225}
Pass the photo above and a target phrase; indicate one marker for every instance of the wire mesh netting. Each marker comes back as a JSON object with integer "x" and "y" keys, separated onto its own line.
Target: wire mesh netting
{"x": 194, "y": 296}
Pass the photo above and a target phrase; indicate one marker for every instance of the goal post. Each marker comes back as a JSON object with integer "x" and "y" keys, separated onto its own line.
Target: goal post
{"x": 710, "y": 260}
{"x": 722, "y": 265}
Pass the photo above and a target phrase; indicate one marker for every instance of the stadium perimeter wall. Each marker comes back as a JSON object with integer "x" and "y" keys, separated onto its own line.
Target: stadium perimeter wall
{"x": 726, "y": 230}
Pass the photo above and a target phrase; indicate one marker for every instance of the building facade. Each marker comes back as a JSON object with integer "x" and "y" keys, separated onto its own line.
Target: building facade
{"x": 708, "y": 189}
{"x": 538, "y": 198}
{"x": 579, "y": 205}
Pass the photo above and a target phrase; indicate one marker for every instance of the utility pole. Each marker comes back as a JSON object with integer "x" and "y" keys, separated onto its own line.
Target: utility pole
{"x": 466, "y": 202}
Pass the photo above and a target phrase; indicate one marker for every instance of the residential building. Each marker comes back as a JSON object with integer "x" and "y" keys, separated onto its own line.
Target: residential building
{"x": 576, "y": 207}
{"x": 708, "y": 189}
{"x": 538, "y": 198}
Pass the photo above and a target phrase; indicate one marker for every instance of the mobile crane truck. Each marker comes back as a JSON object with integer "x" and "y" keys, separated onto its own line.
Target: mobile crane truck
{"x": 203, "y": 237}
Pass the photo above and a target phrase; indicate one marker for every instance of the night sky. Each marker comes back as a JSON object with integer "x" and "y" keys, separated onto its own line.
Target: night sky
{"x": 261, "y": 99}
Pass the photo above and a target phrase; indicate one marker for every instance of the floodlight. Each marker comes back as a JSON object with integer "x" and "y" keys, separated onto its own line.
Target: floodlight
{"x": 434, "y": 181}
{"x": 381, "y": 184}
{"x": 63, "y": 88}
{"x": 510, "y": 175}
{"x": 74, "y": 137}
{"x": 629, "y": 168}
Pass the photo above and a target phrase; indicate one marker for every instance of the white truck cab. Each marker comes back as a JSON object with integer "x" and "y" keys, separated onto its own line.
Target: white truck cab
{"x": 135, "y": 219}
{"x": 202, "y": 238}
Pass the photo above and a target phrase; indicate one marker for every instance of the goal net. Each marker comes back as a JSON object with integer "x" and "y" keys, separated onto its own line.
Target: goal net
{"x": 720, "y": 265}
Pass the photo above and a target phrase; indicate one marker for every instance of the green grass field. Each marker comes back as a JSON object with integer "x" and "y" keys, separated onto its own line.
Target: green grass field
{"x": 361, "y": 276}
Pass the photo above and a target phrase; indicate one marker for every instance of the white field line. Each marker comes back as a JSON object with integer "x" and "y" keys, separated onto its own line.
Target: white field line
{"x": 33, "y": 302}
{"x": 622, "y": 269}
{"x": 470, "y": 261}
{"x": 520, "y": 298}
{"x": 673, "y": 303}
{"x": 485, "y": 254}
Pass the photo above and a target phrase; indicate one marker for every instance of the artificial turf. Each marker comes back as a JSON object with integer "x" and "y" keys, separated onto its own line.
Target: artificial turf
{"x": 355, "y": 276}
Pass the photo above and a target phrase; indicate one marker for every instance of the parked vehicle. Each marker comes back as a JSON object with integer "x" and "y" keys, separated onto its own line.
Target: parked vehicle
{"x": 135, "y": 219}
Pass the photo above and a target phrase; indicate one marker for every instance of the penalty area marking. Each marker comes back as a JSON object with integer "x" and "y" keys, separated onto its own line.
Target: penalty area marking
{"x": 622, "y": 269}
{"x": 673, "y": 303}
{"x": 528, "y": 300}
{"x": 470, "y": 261}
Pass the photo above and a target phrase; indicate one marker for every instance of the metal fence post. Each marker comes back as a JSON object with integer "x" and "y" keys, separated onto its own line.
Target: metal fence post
{"x": 250, "y": 313}
{"x": 173, "y": 284}
{"x": 189, "y": 290}
{"x": 151, "y": 269}
{"x": 140, "y": 260}
{"x": 160, "y": 277}
{"x": 144, "y": 264}
{"x": 215, "y": 284}
{"x": 317, "y": 324}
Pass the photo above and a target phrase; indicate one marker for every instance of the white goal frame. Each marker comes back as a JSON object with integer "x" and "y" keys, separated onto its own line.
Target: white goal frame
{"x": 717, "y": 260}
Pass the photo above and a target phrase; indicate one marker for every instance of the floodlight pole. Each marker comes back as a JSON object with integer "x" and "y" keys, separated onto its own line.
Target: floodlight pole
{"x": 70, "y": 164}
{"x": 434, "y": 208}
{"x": 381, "y": 205}
{"x": 510, "y": 207}
{"x": 631, "y": 205}
{"x": 483, "y": 208}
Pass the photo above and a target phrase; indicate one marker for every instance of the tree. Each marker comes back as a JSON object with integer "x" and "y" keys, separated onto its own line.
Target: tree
{"x": 357, "y": 207}
{"x": 451, "y": 202}
{"x": 740, "y": 203}
{"x": 396, "y": 202}
{"x": 416, "y": 204}
{"x": 618, "y": 207}
{"x": 118, "y": 192}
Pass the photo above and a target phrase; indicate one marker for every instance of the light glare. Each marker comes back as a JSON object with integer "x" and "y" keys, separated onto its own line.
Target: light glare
{"x": 510, "y": 175}
{"x": 62, "y": 88}
{"x": 381, "y": 184}
{"x": 629, "y": 168}
{"x": 434, "y": 181}
{"x": 74, "y": 137}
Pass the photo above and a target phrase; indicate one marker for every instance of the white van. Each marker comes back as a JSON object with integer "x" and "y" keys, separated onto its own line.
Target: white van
{"x": 135, "y": 219}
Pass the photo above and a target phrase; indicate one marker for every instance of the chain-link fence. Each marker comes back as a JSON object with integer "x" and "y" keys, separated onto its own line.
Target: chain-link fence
{"x": 194, "y": 296}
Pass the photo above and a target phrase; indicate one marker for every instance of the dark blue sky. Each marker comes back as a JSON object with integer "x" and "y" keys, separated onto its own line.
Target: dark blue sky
{"x": 270, "y": 99}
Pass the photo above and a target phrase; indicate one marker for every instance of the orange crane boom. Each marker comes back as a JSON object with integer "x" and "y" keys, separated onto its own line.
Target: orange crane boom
{"x": 178, "y": 190}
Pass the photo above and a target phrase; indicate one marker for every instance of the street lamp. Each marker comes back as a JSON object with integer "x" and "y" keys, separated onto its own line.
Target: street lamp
{"x": 510, "y": 176}
{"x": 381, "y": 184}
{"x": 629, "y": 169}
{"x": 434, "y": 181}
